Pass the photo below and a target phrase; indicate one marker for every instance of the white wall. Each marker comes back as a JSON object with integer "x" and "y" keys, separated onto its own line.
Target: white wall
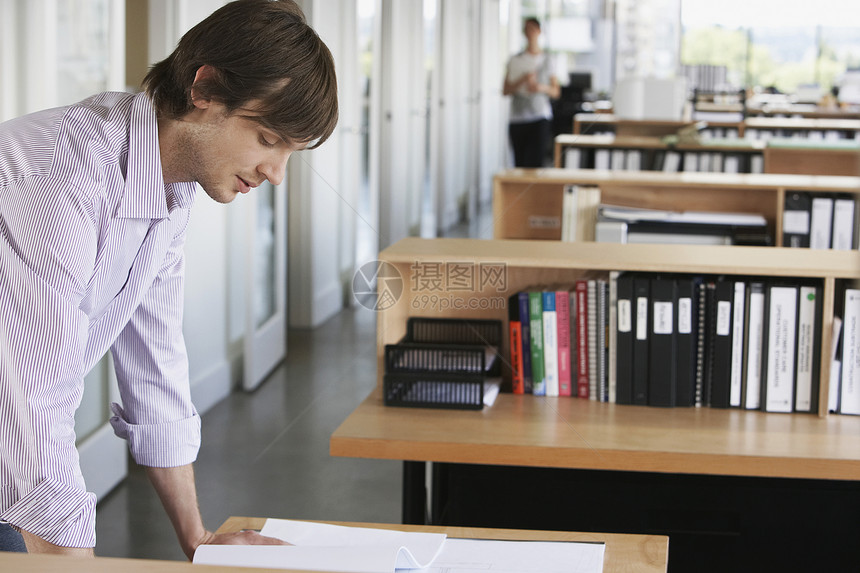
{"x": 320, "y": 201}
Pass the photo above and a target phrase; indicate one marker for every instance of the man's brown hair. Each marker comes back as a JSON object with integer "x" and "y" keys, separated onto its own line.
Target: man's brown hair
{"x": 262, "y": 51}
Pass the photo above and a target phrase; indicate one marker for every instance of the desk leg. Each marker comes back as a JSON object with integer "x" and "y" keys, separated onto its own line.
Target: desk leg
{"x": 414, "y": 493}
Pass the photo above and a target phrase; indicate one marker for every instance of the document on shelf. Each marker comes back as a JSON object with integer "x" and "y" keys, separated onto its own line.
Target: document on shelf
{"x": 325, "y": 547}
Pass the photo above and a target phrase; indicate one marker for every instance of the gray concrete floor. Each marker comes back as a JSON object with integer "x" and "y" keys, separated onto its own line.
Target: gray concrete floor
{"x": 265, "y": 453}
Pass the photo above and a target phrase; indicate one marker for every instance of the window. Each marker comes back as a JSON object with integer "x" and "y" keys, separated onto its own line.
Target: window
{"x": 805, "y": 49}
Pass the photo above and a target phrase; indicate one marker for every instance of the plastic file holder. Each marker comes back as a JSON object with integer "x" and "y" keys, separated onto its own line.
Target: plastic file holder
{"x": 442, "y": 363}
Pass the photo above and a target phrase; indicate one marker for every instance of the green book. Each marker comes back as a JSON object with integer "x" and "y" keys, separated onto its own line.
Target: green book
{"x": 536, "y": 325}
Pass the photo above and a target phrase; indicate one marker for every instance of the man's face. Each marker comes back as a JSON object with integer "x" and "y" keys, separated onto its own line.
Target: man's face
{"x": 228, "y": 154}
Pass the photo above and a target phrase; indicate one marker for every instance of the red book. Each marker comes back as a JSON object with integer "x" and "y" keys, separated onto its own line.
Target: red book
{"x": 516, "y": 344}
{"x": 562, "y": 311}
{"x": 582, "y": 338}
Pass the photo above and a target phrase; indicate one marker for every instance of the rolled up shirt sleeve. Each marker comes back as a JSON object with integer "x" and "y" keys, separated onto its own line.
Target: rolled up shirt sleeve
{"x": 157, "y": 417}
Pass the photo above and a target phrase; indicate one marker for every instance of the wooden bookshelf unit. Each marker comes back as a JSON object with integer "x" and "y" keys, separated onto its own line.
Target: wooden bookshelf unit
{"x": 526, "y": 263}
{"x": 724, "y": 484}
{"x": 527, "y": 202}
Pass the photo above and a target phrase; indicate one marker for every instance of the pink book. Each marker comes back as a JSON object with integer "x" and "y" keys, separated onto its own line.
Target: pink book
{"x": 562, "y": 310}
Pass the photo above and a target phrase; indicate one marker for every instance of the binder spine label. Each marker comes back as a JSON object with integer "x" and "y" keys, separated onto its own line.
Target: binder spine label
{"x": 795, "y": 222}
{"x": 641, "y": 318}
{"x": 724, "y": 318}
{"x": 685, "y": 315}
{"x": 663, "y": 319}
{"x": 625, "y": 322}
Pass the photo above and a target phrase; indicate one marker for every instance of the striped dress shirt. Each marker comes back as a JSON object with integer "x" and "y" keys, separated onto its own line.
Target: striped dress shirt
{"x": 91, "y": 259}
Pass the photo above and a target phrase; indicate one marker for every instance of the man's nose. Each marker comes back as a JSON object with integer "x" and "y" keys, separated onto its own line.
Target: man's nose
{"x": 275, "y": 169}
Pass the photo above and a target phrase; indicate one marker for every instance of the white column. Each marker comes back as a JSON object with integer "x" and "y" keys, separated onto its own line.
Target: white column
{"x": 401, "y": 122}
{"x": 493, "y": 126}
{"x": 318, "y": 196}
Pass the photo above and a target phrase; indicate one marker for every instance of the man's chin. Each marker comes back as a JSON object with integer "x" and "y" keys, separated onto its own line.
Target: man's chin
{"x": 221, "y": 195}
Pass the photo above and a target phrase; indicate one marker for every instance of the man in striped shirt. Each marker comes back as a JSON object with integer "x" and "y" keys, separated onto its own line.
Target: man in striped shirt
{"x": 94, "y": 203}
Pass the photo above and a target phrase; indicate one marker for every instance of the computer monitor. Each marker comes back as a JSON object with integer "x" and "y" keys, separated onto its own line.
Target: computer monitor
{"x": 579, "y": 80}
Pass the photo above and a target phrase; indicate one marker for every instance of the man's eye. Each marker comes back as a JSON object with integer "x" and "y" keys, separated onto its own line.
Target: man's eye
{"x": 265, "y": 142}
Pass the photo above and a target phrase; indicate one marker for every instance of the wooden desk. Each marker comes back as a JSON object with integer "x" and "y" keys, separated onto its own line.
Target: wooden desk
{"x": 497, "y": 467}
{"x": 624, "y": 552}
{"x": 584, "y": 434}
{"x": 641, "y": 553}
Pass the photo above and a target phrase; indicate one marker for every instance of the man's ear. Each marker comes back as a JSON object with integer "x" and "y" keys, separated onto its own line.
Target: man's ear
{"x": 204, "y": 72}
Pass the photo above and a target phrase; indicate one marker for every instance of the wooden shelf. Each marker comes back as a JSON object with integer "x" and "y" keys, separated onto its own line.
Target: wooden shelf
{"x": 790, "y": 156}
{"x": 806, "y": 111}
{"x": 582, "y": 434}
{"x": 520, "y": 194}
{"x": 610, "y": 256}
{"x": 802, "y": 124}
{"x": 840, "y": 184}
{"x": 583, "y": 122}
{"x": 587, "y": 122}
{"x": 643, "y": 142}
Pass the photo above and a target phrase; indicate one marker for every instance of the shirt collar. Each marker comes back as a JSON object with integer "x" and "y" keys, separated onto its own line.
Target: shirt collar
{"x": 146, "y": 196}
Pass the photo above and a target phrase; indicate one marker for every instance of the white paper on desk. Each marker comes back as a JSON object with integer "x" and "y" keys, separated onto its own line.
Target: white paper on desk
{"x": 324, "y": 547}
{"x": 471, "y": 555}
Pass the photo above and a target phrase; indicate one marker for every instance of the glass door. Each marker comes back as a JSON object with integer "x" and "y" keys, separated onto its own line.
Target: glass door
{"x": 265, "y": 284}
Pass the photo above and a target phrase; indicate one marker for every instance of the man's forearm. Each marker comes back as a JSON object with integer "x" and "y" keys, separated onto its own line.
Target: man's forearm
{"x": 175, "y": 487}
{"x": 178, "y": 494}
{"x": 36, "y": 544}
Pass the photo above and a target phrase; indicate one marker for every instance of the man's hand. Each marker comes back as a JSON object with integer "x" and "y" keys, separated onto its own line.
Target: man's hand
{"x": 244, "y": 537}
